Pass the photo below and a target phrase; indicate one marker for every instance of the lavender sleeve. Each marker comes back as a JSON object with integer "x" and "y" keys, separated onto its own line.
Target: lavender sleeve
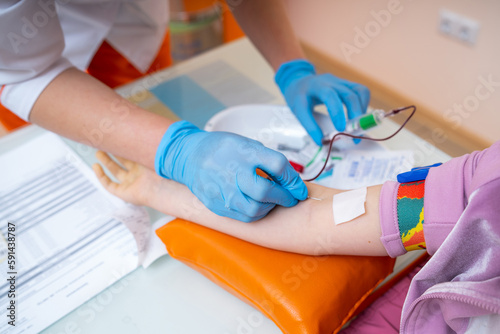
{"x": 447, "y": 188}
{"x": 389, "y": 219}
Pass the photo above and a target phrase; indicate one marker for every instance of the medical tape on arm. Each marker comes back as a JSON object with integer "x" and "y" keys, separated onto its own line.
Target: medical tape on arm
{"x": 349, "y": 205}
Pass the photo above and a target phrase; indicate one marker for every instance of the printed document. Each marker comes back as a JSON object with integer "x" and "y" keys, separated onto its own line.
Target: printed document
{"x": 62, "y": 240}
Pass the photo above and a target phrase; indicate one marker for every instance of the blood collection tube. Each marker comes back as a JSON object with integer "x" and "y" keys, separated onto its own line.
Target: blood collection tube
{"x": 359, "y": 125}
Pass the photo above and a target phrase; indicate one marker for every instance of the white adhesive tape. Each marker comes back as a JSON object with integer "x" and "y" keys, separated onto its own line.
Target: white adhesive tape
{"x": 348, "y": 205}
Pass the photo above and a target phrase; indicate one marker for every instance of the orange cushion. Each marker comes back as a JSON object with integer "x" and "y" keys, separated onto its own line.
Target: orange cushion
{"x": 300, "y": 293}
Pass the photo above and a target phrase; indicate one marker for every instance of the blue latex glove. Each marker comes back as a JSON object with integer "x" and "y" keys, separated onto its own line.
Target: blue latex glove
{"x": 303, "y": 89}
{"x": 220, "y": 169}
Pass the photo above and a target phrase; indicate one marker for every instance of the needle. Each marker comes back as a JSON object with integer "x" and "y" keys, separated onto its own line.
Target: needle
{"x": 314, "y": 198}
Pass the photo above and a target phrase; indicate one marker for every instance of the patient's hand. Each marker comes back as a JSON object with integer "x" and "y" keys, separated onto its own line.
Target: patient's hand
{"x": 306, "y": 228}
{"x": 137, "y": 182}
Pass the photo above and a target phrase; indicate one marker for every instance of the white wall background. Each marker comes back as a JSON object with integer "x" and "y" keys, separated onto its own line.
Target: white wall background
{"x": 411, "y": 56}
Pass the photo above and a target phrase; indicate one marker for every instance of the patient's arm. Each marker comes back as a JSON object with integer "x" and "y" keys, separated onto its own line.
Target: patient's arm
{"x": 306, "y": 228}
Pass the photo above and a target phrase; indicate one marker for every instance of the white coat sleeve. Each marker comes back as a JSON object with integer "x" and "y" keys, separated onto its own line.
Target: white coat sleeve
{"x": 31, "y": 46}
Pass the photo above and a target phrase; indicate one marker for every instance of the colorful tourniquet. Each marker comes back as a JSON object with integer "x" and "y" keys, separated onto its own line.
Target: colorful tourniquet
{"x": 410, "y": 207}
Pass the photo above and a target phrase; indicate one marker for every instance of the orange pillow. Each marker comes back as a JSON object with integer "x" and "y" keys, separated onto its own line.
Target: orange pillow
{"x": 300, "y": 293}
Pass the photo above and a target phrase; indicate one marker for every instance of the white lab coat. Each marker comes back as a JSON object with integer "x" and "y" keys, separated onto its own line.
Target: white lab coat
{"x": 41, "y": 38}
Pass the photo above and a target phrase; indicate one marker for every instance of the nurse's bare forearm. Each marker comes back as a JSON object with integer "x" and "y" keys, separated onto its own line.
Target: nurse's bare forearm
{"x": 78, "y": 106}
{"x": 266, "y": 23}
{"x": 306, "y": 228}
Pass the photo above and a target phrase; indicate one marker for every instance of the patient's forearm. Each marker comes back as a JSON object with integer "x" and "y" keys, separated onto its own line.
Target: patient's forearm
{"x": 306, "y": 228}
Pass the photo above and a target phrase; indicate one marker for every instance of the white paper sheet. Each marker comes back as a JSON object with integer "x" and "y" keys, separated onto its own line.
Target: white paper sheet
{"x": 69, "y": 246}
{"x": 149, "y": 246}
{"x": 136, "y": 219}
{"x": 366, "y": 168}
{"x": 156, "y": 247}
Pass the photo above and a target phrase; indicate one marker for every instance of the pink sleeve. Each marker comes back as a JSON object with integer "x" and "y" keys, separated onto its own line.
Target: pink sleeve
{"x": 447, "y": 188}
{"x": 389, "y": 219}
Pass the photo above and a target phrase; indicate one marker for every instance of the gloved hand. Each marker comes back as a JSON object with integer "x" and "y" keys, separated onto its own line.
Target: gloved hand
{"x": 303, "y": 89}
{"x": 220, "y": 169}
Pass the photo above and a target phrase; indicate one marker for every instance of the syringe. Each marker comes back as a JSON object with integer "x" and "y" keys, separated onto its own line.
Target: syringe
{"x": 359, "y": 125}
{"x": 354, "y": 127}
{"x": 362, "y": 124}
